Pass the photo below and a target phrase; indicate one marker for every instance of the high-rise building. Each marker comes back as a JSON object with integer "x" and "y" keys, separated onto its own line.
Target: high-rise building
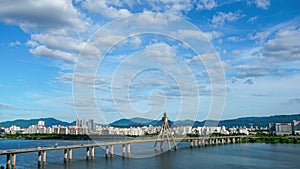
{"x": 83, "y": 123}
{"x": 41, "y": 123}
{"x": 91, "y": 125}
{"x": 77, "y": 123}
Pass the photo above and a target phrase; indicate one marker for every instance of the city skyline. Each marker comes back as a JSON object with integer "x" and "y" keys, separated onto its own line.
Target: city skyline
{"x": 257, "y": 42}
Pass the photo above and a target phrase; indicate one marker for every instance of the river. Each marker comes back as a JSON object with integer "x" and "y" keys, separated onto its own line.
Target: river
{"x": 233, "y": 156}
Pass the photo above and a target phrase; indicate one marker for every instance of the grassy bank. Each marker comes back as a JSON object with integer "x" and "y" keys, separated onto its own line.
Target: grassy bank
{"x": 272, "y": 140}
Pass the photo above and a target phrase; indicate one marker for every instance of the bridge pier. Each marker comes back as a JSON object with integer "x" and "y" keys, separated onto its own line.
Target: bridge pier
{"x": 13, "y": 160}
{"x": 65, "y": 154}
{"x": 44, "y": 157}
{"x": 8, "y": 161}
{"x": 169, "y": 145}
{"x": 233, "y": 140}
{"x": 111, "y": 150}
{"x": 106, "y": 151}
{"x": 87, "y": 153}
{"x": 191, "y": 143}
{"x": 93, "y": 152}
{"x": 70, "y": 154}
{"x": 161, "y": 144}
{"x": 128, "y": 149}
{"x": 39, "y": 157}
{"x": 123, "y": 150}
{"x": 198, "y": 143}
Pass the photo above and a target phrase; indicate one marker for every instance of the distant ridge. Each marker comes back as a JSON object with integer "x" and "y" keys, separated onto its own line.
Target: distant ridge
{"x": 139, "y": 122}
{"x": 244, "y": 121}
{"x": 26, "y": 123}
{"x": 259, "y": 121}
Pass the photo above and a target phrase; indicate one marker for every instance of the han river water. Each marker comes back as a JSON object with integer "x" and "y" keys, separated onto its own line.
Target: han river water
{"x": 233, "y": 156}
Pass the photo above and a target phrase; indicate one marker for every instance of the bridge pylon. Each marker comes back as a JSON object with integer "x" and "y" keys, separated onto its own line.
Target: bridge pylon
{"x": 165, "y": 134}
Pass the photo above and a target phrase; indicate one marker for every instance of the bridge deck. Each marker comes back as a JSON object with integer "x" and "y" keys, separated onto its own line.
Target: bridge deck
{"x": 28, "y": 150}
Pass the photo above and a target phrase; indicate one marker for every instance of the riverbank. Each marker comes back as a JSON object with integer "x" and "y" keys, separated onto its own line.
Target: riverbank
{"x": 272, "y": 139}
{"x": 255, "y": 139}
{"x": 45, "y": 137}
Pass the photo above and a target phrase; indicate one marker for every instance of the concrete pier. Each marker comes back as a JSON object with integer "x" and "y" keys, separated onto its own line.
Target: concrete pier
{"x": 191, "y": 143}
{"x": 123, "y": 150}
{"x": 44, "y": 157}
{"x": 87, "y": 153}
{"x": 13, "y": 160}
{"x": 39, "y": 157}
{"x": 106, "y": 151}
{"x": 128, "y": 150}
{"x": 93, "y": 152}
{"x": 8, "y": 161}
{"x": 70, "y": 154}
{"x": 111, "y": 150}
{"x": 65, "y": 154}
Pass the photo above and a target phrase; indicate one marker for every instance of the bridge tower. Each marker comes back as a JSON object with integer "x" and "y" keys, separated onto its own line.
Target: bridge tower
{"x": 165, "y": 134}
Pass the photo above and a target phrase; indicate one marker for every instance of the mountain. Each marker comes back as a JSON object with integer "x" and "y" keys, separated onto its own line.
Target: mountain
{"x": 245, "y": 121}
{"x": 138, "y": 122}
{"x": 134, "y": 122}
{"x": 26, "y": 123}
{"x": 259, "y": 121}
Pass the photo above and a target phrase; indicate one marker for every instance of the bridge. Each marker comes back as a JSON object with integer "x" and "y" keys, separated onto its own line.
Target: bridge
{"x": 11, "y": 154}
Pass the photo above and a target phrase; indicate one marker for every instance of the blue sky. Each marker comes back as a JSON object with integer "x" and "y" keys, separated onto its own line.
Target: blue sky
{"x": 194, "y": 59}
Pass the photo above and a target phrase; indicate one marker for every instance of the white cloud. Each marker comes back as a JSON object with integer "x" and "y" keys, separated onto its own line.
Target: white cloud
{"x": 284, "y": 46}
{"x": 263, "y": 4}
{"x": 213, "y": 35}
{"x": 84, "y": 80}
{"x": 248, "y": 81}
{"x": 32, "y": 15}
{"x": 161, "y": 52}
{"x": 15, "y": 43}
{"x": 107, "y": 40}
{"x": 53, "y": 54}
{"x": 252, "y": 73}
{"x": 136, "y": 41}
{"x": 101, "y": 7}
{"x": 252, "y": 19}
{"x": 294, "y": 101}
{"x": 260, "y": 37}
{"x": 5, "y": 106}
{"x": 221, "y": 18}
{"x": 177, "y": 7}
{"x": 58, "y": 42}
{"x": 189, "y": 34}
{"x": 198, "y": 35}
{"x": 235, "y": 39}
{"x": 244, "y": 66}
{"x": 206, "y": 4}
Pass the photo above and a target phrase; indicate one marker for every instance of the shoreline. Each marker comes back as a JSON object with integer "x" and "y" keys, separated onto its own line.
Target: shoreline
{"x": 273, "y": 139}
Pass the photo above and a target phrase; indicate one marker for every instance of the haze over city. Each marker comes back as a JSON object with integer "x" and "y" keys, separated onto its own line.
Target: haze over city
{"x": 256, "y": 42}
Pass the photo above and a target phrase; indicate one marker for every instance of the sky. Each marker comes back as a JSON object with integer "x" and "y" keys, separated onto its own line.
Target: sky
{"x": 107, "y": 60}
